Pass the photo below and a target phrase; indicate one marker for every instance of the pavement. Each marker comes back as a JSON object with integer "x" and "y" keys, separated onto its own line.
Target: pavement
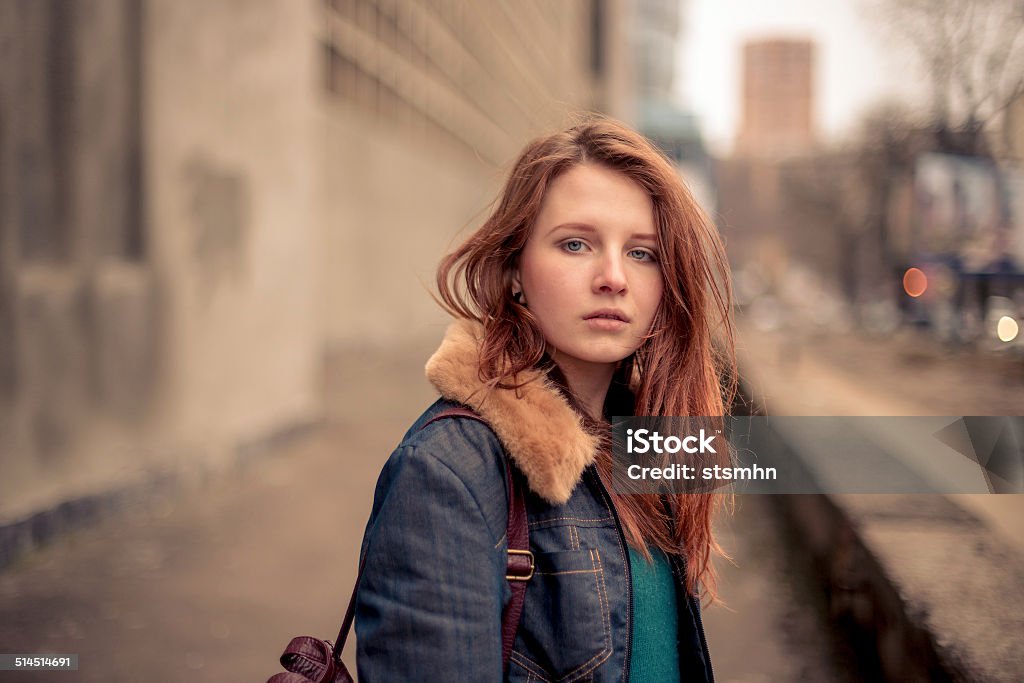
{"x": 934, "y": 585}
{"x": 772, "y": 624}
{"x": 906, "y": 374}
{"x": 209, "y": 584}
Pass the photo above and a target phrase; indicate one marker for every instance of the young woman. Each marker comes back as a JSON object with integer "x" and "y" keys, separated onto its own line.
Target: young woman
{"x": 596, "y": 288}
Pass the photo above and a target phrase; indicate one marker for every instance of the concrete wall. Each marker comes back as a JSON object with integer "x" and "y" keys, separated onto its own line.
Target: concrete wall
{"x": 230, "y": 168}
{"x": 424, "y": 109}
{"x": 393, "y": 207}
{"x": 160, "y": 242}
{"x": 200, "y": 200}
{"x": 78, "y": 354}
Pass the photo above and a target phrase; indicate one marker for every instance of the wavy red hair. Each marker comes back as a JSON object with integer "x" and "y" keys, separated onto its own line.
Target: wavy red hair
{"x": 686, "y": 366}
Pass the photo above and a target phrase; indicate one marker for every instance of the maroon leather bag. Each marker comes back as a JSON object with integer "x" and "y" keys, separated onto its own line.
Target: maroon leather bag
{"x": 312, "y": 660}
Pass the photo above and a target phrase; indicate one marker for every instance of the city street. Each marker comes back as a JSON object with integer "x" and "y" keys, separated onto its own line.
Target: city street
{"x": 226, "y": 227}
{"x": 211, "y": 584}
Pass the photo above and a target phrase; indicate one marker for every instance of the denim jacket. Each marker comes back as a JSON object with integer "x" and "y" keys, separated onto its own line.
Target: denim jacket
{"x": 433, "y": 587}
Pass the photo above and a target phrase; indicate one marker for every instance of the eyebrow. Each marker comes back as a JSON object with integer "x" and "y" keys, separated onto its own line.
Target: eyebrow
{"x": 584, "y": 227}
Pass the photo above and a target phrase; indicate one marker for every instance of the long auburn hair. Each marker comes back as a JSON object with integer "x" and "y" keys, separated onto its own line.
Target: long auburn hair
{"x": 686, "y": 365}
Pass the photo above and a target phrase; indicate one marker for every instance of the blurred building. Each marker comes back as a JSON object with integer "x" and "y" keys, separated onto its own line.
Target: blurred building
{"x": 777, "y": 99}
{"x": 776, "y": 133}
{"x": 656, "y": 27}
{"x": 200, "y": 199}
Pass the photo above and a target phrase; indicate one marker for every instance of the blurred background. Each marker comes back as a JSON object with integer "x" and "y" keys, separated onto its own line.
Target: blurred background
{"x": 219, "y": 223}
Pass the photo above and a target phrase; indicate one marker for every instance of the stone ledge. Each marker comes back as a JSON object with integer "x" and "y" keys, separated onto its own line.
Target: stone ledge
{"x": 959, "y": 584}
{"x": 924, "y": 587}
{"x": 929, "y": 590}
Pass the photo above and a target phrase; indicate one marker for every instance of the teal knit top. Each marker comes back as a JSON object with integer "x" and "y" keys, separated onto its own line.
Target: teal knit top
{"x": 655, "y": 653}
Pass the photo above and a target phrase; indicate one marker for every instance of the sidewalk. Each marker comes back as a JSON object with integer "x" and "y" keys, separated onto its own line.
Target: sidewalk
{"x": 773, "y": 625}
{"x": 209, "y": 586}
{"x": 935, "y": 583}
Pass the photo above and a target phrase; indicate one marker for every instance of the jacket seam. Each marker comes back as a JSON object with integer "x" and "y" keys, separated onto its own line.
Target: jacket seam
{"x": 622, "y": 556}
{"x": 503, "y": 455}
{"x": 589, "y": 665}
{"x": 524, "y": 661}
{"x": 606, "y": 651}
{"x": 539, "y": 522}
{"x": 570, "y": 571}
{"x": 472, "y": 494}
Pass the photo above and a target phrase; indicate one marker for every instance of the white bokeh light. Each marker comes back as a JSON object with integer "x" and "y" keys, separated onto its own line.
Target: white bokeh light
{"x": 1007, "y": 329}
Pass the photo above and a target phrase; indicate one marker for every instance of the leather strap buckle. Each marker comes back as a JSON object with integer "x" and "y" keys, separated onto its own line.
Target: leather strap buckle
{"x": 517, "y": 571}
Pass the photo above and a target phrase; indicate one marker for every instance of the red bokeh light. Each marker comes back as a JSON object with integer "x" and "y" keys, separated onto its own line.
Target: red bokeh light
{"x": 915, "y": 282}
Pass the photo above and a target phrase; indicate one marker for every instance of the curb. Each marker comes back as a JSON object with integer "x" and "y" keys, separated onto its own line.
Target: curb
{"x": 923, "y": 590}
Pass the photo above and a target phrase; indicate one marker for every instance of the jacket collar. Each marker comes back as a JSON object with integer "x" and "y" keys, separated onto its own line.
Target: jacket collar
{"x": 541, "y": 432}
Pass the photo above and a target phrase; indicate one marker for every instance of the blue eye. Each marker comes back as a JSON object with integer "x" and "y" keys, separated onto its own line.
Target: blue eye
{"x": 641, "y": 254}
{"x": 574, "y": 246}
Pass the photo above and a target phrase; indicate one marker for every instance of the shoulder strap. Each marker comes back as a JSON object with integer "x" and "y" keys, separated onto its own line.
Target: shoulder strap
{"x": 519, "y": 566}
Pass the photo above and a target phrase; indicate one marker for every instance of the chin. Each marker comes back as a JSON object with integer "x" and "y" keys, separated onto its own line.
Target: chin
{"x": 601, "y": 356}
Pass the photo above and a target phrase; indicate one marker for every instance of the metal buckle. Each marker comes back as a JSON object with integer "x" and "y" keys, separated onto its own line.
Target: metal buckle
{"x": 513, "y": 577}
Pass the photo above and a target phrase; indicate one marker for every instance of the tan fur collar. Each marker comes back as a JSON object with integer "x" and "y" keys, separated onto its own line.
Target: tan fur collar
{"x": 544, "y": 436}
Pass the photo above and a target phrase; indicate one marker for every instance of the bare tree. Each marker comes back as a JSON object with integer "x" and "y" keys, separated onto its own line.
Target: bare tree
{"x": 886, "y": 148}
{"x": 827, "y": 214}
{"x": 837, "y": 200}
{"x": 973, "y": 51}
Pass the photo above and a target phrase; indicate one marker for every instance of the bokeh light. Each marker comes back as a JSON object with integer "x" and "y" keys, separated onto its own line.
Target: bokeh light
{"x": 1007, "y": 329}
{"x": 915, "y": 282}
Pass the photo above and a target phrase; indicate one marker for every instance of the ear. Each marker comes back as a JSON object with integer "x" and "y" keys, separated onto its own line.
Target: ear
{"x": 517, "y": 283}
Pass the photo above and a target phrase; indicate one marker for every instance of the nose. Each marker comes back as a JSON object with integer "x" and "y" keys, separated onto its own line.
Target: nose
{"x": 611, "y": 276}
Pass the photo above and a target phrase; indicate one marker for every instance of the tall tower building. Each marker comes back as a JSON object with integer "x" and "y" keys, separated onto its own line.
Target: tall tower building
{"x": 778, "y": 98}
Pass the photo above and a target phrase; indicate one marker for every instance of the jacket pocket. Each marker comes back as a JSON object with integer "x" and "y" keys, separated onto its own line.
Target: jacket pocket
{"x": 565, "y": 631}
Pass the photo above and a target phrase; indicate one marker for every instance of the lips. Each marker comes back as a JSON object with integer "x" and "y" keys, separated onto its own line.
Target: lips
{"x": 607, "y": 314}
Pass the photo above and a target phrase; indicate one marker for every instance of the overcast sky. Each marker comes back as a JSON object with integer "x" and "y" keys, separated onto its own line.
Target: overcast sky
{"x": 853, "y": 68}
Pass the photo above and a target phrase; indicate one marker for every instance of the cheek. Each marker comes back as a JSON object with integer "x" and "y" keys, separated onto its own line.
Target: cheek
{"x": 650, "y": 295}
{"x": 548, "y": 299}
{"x": 546, "y": 282}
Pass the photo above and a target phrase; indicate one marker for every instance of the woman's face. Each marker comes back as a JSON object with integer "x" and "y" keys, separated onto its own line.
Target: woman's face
{"x": 590, "y": 272}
